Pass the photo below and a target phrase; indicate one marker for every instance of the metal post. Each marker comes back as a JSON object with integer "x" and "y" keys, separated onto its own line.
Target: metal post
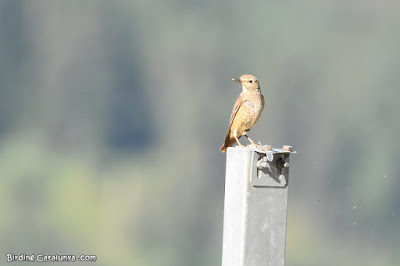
{"x": 255, "y": 212}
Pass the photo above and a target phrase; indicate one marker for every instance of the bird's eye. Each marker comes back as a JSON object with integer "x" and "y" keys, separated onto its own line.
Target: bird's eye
{"x": 250, "y": 81}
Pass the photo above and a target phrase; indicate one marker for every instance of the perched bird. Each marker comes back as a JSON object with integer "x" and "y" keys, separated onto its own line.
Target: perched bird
{"x": 246, "y": 111}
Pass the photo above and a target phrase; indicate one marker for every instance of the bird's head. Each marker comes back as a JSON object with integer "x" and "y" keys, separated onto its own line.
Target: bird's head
{"x": 249, "y": 82}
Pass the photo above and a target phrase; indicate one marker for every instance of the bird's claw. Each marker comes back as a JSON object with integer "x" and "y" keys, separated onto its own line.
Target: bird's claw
{"x": 256, "y": 146}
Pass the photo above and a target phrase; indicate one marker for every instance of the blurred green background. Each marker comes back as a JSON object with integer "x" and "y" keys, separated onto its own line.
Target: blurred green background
{"x": 112, "y": 114}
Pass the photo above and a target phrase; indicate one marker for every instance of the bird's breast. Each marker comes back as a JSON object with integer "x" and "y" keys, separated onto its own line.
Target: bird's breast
{"x": 249, "y": 112}
{"x": 253, "y": 107}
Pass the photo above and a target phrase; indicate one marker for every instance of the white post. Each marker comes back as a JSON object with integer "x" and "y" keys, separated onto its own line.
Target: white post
{"x": 255, "y": 211}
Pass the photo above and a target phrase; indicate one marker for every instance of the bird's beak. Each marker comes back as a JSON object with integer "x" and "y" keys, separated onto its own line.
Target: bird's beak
{"x": 236, "y": 79}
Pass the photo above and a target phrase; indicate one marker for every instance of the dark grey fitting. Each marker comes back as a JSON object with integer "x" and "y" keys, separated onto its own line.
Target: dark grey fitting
{"x": 272, "y": 169}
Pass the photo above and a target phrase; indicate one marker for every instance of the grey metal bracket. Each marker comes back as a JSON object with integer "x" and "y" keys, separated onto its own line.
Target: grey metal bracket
{"x": 272, "y": 169}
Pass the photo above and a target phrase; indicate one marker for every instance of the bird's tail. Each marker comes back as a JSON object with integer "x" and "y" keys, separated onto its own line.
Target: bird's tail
{"x": 228, "y": 143}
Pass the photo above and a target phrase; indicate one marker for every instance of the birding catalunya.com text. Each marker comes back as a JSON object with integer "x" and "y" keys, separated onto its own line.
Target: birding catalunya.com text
{"x": 10, "y": 257}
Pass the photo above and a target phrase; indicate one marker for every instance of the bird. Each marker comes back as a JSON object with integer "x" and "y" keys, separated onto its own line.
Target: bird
{"x": 246, "y": 111}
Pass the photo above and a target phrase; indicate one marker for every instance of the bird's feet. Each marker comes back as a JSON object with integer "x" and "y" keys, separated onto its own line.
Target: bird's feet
{"x": 254, "y": 146}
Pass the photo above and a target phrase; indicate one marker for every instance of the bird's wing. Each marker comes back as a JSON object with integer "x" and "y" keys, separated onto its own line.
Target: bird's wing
{"x": 236, "y": 108}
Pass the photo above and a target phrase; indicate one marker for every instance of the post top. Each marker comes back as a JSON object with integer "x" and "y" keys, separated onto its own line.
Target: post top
{"x": 265, "y": 149}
